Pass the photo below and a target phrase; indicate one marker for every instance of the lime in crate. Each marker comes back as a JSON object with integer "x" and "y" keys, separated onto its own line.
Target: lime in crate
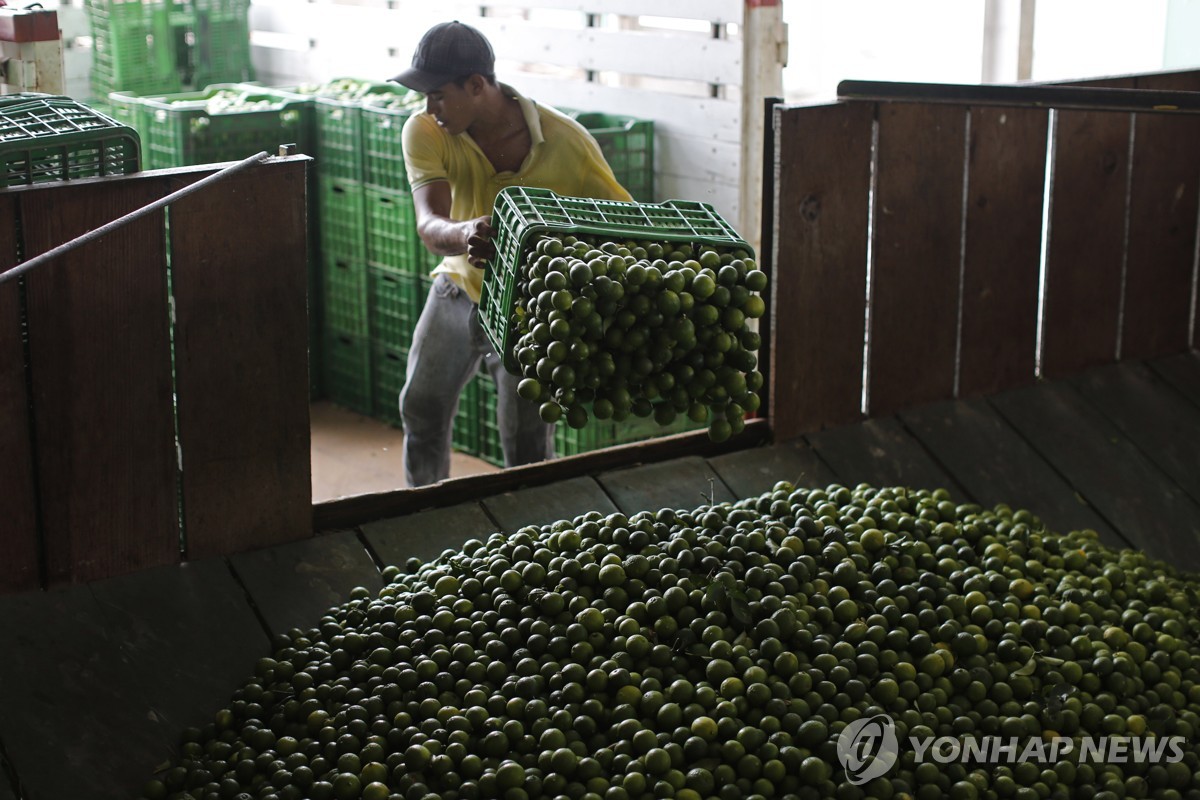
{"x": 615, "y": 309}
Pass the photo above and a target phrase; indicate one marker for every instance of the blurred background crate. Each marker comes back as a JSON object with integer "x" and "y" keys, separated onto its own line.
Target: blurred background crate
{"x": 47, "y": 138}
{"x": 223, "y": 122}
{"x": 628, "y": 146}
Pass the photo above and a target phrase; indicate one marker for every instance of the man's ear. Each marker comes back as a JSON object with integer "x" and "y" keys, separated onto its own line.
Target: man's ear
{"x": 476, "y": 84}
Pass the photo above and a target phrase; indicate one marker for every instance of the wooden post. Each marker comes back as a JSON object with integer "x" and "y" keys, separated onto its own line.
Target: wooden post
{"x": 764, "y": 43}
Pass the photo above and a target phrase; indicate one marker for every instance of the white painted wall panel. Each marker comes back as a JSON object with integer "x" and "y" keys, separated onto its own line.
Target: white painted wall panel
{"x": 376, "y": 34}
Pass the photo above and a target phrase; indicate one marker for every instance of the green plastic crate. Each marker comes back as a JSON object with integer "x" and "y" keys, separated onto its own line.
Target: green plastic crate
{"x": 224, "y": 122}
{"x": 394, "y": 305}
{"x": 465, "y": 435}
{"x": 344, "y": 302}
{"x": 339, "y": 107}
{"x": 389, "y": 368}
{"x": 132, "y": 48}
{"x": 383, "y": 153}
{"x": 392, "y": 241}
{"x": 346, "y": 371}
{"x": 522, "y": 212}
{"x": 628, "y": 146}
{"x": 220, "y": 42}
{"x": 488, "y": 447}
{"x": 338, "y": 135}
{"x": 47, "y": 138}
{"x": 597, "y": 434}
{"x": 341, "y": 214}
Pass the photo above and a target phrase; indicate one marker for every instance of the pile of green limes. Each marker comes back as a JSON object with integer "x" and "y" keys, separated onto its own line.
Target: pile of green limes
{"x": 609, "y": 329}
{"x": 720, "y": 652}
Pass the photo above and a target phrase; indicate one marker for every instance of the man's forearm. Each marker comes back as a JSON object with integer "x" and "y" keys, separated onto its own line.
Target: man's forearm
{"x": 445, "y": 237}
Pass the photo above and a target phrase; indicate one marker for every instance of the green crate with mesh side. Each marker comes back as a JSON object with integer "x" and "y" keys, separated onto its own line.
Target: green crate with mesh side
{"x": 598, "y": 434}
{"x": 383, "y": 152}
{"x": 389, "y": 367}
{"x": 394, "y": 303}
{"x": 132, "y": 49}
{"x": 392, "y": 241}
{"x": 628, "y": 147}
{"x": 339, "y": 108}
{"x": 344, "y": 296}
{"x": 48, "y": 138}
{"x": 489, "y": 447}
{"x": 224, "y": 122}
{"x": 346, "y": 370}
{"x": 465, "y": 435}
{"x": 521, "y": 213}
{"x": 341, "y": 217}
{"x": 219, "y": 49}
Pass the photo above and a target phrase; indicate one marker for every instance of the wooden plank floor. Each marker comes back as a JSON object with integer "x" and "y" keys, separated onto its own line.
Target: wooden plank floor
{"x": 109, "y": 673}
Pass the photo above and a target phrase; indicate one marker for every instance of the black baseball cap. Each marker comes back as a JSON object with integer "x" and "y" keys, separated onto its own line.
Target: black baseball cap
{"x": 448, "y": 51}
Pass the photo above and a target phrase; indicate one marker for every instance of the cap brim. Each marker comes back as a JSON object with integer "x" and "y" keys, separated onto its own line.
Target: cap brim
{"x": 422, "y": 81}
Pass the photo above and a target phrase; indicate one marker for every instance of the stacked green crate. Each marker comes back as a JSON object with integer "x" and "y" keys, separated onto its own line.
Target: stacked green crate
{"x": 385, "y": 290}
{"x": 223, "y": 122}
{"x": 488, "y": 442}
{"x": 465, "y": 435}
{"x": 628, "y": 146}
{"x": 132, "y": 48}
{"x": 596, "y": 434}
{"x": 387, "y": 367}
{"x": 219, "y": 50}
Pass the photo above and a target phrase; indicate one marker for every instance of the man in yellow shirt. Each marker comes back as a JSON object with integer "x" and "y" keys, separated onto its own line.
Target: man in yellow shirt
{"x": 476, "y": 137}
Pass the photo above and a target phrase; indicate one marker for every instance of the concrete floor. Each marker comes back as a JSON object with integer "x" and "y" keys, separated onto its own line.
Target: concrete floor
{"x": 353, "y": 454}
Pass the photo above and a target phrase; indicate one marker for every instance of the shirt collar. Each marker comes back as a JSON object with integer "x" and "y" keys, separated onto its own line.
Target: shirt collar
{"x": 530, "y": 111}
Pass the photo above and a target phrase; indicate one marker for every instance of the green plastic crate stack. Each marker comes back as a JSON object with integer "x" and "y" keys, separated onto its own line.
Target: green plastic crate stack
{"x": 216, "y": 34}
{"x": 346, "y": 370}
{"x": 465, "y": 434}
{"x": 628, "y": 146}
{"x": 338, "y": 116}
{"x": 223, "y": 122}
{"x": 47, "y": 138}
{"x": 381, "y": 280}
{"x": 133, "y": 49}
{"x": 487, "y": 445}
{"x": 388, "y": 366}
{"x": 596, "y": 434}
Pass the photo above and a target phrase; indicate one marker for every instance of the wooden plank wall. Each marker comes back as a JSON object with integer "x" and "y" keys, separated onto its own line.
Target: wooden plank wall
{"x": 19, "y": 545}
{"x": 93, "y": 487}
{"x": 100, "y": 360}
{"x": 241, "y": 313}
{"x": 952, "y": 261}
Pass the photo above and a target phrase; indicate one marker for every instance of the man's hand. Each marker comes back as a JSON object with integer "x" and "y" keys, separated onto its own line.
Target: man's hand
{"x": 480, "y": 249}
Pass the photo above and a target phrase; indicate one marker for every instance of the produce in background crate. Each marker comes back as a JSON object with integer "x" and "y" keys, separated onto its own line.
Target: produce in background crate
{"x": 639, "y": 328}
{"x": 722, "y": 651}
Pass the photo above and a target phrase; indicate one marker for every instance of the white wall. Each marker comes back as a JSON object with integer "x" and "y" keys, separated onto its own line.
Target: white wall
{"x": 943, "y": 40}
{"x": 1183, "y": 34}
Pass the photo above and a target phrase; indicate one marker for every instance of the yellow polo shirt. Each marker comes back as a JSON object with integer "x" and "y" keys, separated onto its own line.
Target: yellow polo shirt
{"x": 563, "y": 158}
